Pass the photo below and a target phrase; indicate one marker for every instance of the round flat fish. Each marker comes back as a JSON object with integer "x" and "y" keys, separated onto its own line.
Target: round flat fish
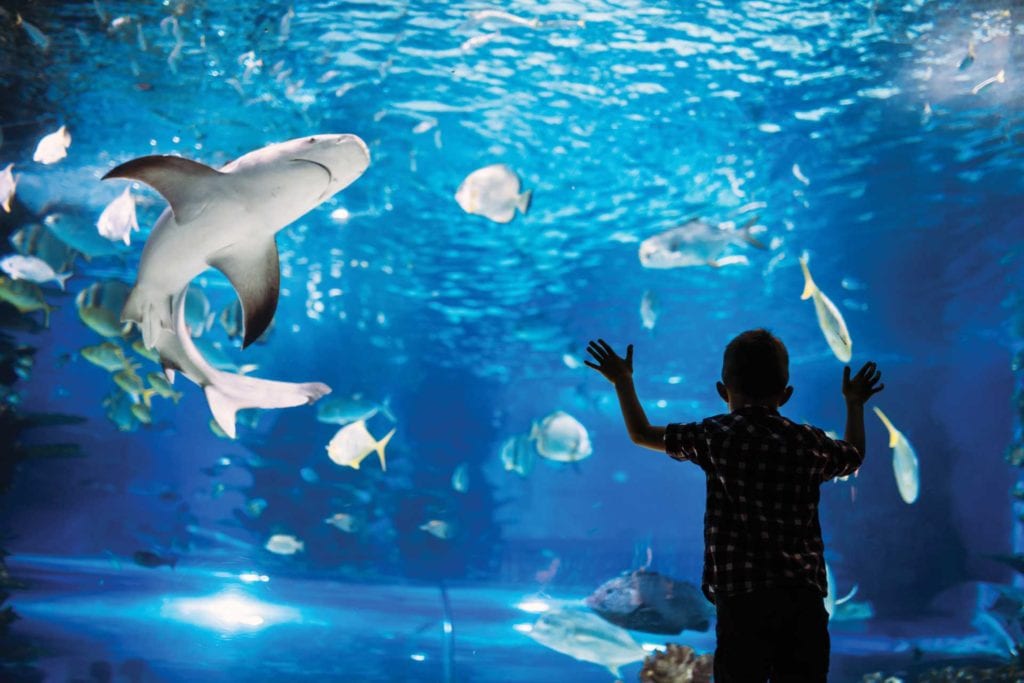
{"x": 562, "y": 438}
{"x": 493, "y": 192}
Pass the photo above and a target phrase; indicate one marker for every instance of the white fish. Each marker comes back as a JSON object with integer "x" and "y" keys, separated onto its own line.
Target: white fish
{"x": 562, "y": 438}
{"x": 32, "y": 268}
{"x": 226, "y": 393}
{"x": 343, "y": 521}
{"x": 198, "y": 316}
{"x": 649, "y": 310}
{"x": 227, "y": 219}
{"x": 830, "y": 320}
{"x": 904, "y": 460}
{"x": 118, "y": 220}
{"x": 38, "y": 38}
{"x": 831, "y": 601}
{"x": 493, "y": 192}
{"x": 460, "y": 478}
{"x": 517, "y": 454}
{"x": 53, "y": 147}
{"x": 353, "y": 443}
{"x": 585, "y": 636}
{"x": 798, "y": 174}
{"x": 8, "y": 183}
{"x": 696, "y": 243}
{"x": 998, "y": 78}
{"x": 284, "y": 544}
{"x": 438, "y": 528}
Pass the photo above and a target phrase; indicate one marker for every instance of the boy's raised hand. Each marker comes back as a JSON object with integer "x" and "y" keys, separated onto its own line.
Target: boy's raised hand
{"x": 862, "y": 387}
{"x": 609, "y": 364}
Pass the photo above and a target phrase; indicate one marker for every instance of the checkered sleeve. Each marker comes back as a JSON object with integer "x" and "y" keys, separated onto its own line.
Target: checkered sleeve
{"x": 841, "y": 457}
{"x": 687, "y": 442}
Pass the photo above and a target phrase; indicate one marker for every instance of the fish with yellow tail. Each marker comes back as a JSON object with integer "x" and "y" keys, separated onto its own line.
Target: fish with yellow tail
{"x": 830, "y": 320}
{"x": 904, "y": 461}
{"x": 353, "y": 442}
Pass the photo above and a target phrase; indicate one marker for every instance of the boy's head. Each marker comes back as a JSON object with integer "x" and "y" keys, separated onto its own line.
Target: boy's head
{"x": 755, "y": 370}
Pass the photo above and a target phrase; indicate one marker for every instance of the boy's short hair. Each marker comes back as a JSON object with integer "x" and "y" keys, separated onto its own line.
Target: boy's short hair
{"x": 756, "y": 364}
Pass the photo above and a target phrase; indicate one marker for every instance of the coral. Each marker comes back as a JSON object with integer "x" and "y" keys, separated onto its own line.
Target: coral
{"x": 677, "y": 664}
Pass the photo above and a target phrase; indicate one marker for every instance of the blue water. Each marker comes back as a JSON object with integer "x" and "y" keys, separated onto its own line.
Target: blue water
{"x": 849, "y": 130}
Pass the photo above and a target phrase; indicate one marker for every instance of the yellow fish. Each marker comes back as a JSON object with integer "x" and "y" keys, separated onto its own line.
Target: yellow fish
{"x": 25, "y": 296}
{"x": 353, "y": 443}
{"x": 904, "y": 461}
{"x": 99, "y": 307}
{"x": 830, "y": 320}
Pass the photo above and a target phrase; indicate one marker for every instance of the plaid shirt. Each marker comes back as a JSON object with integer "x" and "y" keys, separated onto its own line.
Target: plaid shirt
{"x": 763, "y": 472}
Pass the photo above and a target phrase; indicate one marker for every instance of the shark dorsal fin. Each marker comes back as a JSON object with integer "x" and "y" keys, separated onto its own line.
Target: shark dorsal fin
{"x": 176, "y": 178}
{"x": 253, "y": 269}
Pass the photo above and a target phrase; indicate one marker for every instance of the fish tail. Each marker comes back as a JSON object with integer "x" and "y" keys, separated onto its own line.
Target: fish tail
{"x": 62, "y": 280}
{"x": 894, "y": 434}
{"x": 809, "y": 287}
{"x": 748, "y": 237}
{"x": 380, "y": 449}
{"x": 176, "y": 396}
{"x": 524, "y": 200}
{"x": 47, "y": 309}
{"x": 147, "y": 397}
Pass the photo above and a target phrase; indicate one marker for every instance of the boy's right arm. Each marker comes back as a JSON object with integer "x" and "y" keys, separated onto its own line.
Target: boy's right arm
{"x": 857, "y": 391}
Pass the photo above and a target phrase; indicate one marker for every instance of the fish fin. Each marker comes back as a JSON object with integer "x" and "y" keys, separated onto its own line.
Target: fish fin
{"x": 614, "y": 669}
{"x": 47, "y": 309}
{"x": 385, "y": 409}
{"x": 748, "y": 237}
{"x": 524, "y": 200}
{"x": 380, "y": 449}
{"x": 147, "y": 397}
{"x": 145, "y": 313}
{"x": 176, "y": 396}
{"x": 62, "y": 280}
{"x": 253, "y": 269}
{"x": 809, "y": 287}
{"x": 223, "y": 409}
{"x": 177, "y": 179}
{"x": 169, "y": 373}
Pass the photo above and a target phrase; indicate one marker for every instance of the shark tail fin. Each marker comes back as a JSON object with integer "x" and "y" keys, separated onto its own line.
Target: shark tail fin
{"x": 809, "y": 287}
{"x": 223, "y": 408}
{"x": 380, "y": 449}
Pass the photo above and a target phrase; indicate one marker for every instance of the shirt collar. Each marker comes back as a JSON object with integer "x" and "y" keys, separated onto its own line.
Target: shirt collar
{"x": 756, "y": 410}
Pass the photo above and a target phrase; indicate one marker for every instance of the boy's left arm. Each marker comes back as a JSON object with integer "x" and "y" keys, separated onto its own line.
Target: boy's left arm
{"x": 619, "y": 371}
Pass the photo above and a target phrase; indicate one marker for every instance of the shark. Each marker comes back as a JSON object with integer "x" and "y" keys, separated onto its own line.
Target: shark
{"x": 226, "y": 392}
{"x": 227, "y": 219}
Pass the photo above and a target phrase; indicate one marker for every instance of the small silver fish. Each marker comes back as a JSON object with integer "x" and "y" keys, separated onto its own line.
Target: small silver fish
{"x": 32, "y": 268}
{"x": 38, "y": 38}
{"x": 493, "y": 192}
{"x": 284, "y": 544}
{"x": 118, "y": 219}
{"x": 53, "y": 147}
{"x": 8, "y": 183}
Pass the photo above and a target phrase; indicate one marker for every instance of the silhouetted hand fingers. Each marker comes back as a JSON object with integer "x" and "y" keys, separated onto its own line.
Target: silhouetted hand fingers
{"x": 607, "y": 349}
{"x": 629, "y": 356}
{"x": 591, "y": 365}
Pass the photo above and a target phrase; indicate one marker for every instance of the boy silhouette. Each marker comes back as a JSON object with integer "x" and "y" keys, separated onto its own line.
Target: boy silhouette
{"x": 764, "y": 565}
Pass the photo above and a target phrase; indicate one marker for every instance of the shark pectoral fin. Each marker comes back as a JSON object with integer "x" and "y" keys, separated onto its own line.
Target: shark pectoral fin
{"x": 223, "y": 409}
{"x": 180, "y": 181}
{"x": 254, "y": 272}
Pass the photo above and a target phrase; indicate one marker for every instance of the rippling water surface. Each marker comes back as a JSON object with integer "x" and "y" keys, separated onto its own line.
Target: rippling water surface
{"x": 883, "y": 140}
